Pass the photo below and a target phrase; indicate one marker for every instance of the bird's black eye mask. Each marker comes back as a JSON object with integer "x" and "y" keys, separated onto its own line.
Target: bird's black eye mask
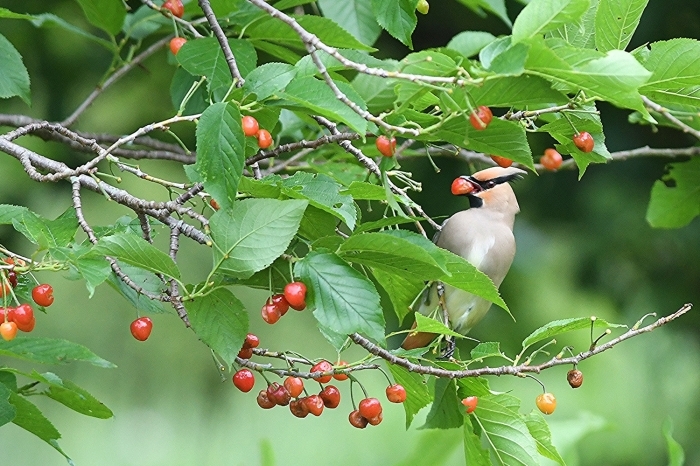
{"x": 479, "y": 186}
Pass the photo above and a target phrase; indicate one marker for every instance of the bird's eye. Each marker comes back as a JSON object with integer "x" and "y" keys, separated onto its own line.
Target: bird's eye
{"x": 490, "y": 184}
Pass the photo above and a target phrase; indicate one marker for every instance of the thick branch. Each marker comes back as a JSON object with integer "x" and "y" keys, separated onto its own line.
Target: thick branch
{"x": 223, "y": 43}
{"x": 518, "y": 370}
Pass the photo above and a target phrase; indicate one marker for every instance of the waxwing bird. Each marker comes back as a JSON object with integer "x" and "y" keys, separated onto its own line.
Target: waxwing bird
{"x": 483, "y": 235}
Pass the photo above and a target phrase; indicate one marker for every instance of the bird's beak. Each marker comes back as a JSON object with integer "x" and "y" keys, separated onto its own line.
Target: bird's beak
{"x": 463, "y": 185}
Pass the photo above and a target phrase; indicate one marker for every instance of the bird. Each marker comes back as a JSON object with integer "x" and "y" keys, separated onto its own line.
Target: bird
{"x": 483, "y": 235}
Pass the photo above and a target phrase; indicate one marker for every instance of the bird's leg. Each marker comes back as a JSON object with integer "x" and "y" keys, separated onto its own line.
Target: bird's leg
{"x": 449, "y": 340}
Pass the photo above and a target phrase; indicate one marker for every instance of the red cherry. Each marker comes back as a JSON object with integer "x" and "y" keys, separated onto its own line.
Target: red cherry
{"x": 12, "y": 278}
{"x": 386, "y": 146}
{"x": 270, "y": 313}
{"x": 8, "y": 330}
{"x": 244, "y": 380}
{"x": 357, "y": 420}
{"x": 314, "y": 404}
{"x": 43, "y": 295}
{"x": 461, "y": 186}
{"x": 481, "y": 118}
{"x": 214, "y": 205}
{"x": 281, "y": 303}
{"x": 251, "y": 341}
{"x": 27, "y": 327}
{"x": 370, "y": 408}
{"x": 396, "y": 393}
{"x": 584, "y": 141}
{"x": 141, "y": 328}
{"x": 295, "y": 294}
{"x": 375, "y": 421}
{"x": 264, "y": 401}
{"x": 278, "y": 394}
{"x": 245, "y": 353}
{"x": 330, "y": 396}
{"x": 294, "y": 385}
{"x": 264, "y": 139}
{"x": 470, "y": 402}
{"x": 502, "y": 161}
{"x": 298, "y": 408}
{"x": 341, "y": 377}
{"x": 22, "y": 315}
{"x": 323, "y": 366}
{"x": 176, "y": 44}
{"x": 551, "y": 160}
{"x": 250, "y": 125}
{"x": 175, "y": 7}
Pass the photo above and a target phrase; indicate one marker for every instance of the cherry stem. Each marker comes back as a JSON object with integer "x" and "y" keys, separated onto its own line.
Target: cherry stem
{"x": 352, "y": 398}
{"x": 570, "y": 122}
{"x": 385, "y": 375}
{"x": 544, "y": 390}
{"x": 606, "y": 332}
{"x": 354, "y": 379}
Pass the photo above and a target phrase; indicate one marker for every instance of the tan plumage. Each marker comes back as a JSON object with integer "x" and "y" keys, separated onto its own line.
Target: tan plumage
{"x": 483, "y": 235}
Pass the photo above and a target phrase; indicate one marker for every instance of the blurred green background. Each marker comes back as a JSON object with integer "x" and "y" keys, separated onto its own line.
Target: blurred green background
{"x": 584, "y": 249}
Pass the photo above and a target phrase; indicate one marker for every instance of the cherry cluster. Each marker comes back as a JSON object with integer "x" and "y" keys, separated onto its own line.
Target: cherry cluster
{"x": 22, "y": 316}
{"x": 277, "y": 305}
{"x": 294, "y": 394}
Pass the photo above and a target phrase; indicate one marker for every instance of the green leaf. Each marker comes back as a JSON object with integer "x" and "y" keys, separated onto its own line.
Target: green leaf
{"x": 14, "y": 78}
{"x": 504, "y": 138}
{"x": 615, "y": 76}
{"x": 675, "y": 199}
{"x": 355, "y": 16}
{"x": 506, "y": 434}
{"x": 50, "y": 351}
{"x": 616, "y": 21}
{"x": 540, "y": 432}
{"x": 497, "y": 7}
{"x": 472, "y": 386}
{"x": 580, "y": 33}
{"x": 29, "y": 418}
{"x": 315, "y": 96}
{"x": 47, "y": 233}
{"x": 220, "y": 320}
{"x": 268, "y": 79}
{"x": 136, "y": 251}
{"x": 470, "y": 43}
{"x": 675, "y": 67}
{"x": 402, "y": 291}
{"x": 146, "y": 280}
{"x": 327, "y": 30}
{"x": 8, "y": 213}
{"x": 474, "y": 452}
{"x": 504, "y": 57}
{"x": 445, "y": 413}
{"x": 398, "y": 17}
{"x": 417, "y": 393}
{"x": 5, "y": 13}
{"x": 345, "y": 300}
{"x": 220, "y": 151}
{"x": 359, "y": 190}
{"x": 517, "y": 91}
{"x": 393, "y": 254}
{"x": 486, "y": 350}
{"x": 142, "y": 23}
{"x": 465, "y": 276}
{"x": 105, "y": 14}
{"x": 204, "y": 57}
{"x": 381, "y": 224}
{"x": 94, "y": 270}
{"x": 70, "y": 395}
{"x": 255, "y": 232}
{"x": 428, "y": 325}
{"x": 557, "y": 327}
{"x": 323, "y": 193}
{"x": 540, "y": 16}
{"x": 676, "y": 455}
{"x": 7, "y": 409}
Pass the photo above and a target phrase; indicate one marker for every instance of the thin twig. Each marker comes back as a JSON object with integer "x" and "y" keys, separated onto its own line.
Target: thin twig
{"x": 223, "y": 43}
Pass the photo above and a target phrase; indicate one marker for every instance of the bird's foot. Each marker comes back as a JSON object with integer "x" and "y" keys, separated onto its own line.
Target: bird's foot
{"x": 449, "y": 350}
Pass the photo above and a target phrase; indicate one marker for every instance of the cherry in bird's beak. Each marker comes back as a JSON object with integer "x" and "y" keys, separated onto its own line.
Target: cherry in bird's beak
{"x": 462, "y": 186}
